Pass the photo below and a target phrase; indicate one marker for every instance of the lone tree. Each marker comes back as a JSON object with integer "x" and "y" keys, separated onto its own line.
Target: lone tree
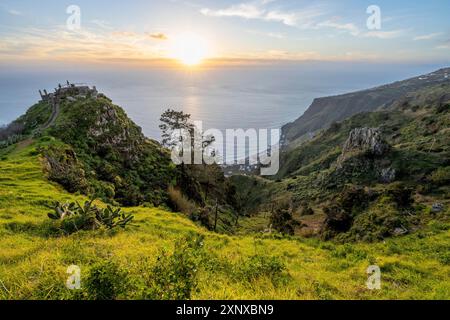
{"x": 173, "y": 121}
{"x": 174, "y": 124}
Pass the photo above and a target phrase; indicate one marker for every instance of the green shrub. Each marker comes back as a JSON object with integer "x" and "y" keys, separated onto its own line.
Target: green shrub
{"x": 259, "y": 266}
{"x": 282, "y": 220}
{"x": 73, "y": 217}
{"x": 400, "y": 193}
{"x": 441, "y": 176}
{"x": 106, "y": 281}
{"x": 306, "y": 210}
{"x": 444, "y": 258}
{"x": 174, "y": 276}
{"x": 64, "y": 168}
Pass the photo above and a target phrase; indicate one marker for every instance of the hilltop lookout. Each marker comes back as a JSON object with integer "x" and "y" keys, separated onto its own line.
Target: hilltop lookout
{"x": 69, "y": 89}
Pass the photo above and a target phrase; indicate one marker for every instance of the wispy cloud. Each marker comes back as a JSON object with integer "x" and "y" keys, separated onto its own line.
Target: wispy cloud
{"x": 158, "y": 36}
{"x": 275, "y": 35}
{"x": 354, "y": 30}
{"x": 444, "y": 45}
{"x": 101, "y": 24}
{"x": 347, "y": 27}
{"x": 56, "y": 42}
{"x": 385, "y": 34}
{"x": 427, "y": 36}
{"x": 259, "y": 10}
{"x": 14, "y": 12}
{"x": 243, "y": 10}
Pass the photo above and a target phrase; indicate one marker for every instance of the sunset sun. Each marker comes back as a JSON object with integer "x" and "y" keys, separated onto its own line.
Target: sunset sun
{"x": 190, "y": 49}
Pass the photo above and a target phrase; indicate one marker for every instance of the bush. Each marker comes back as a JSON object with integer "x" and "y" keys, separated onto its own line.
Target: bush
{"x": 282, "y": 220}
{"x": 443, "y": 108}
{"x": 106, "y": 281}
{"x": 377, "y": 223}
{"x": 342, "y": 210}
{"x": 400, "y": 194}
{"x": 64, "y": 168}
{"x": 441, "y": 176}
{"x": 180, "y": 203}
{"x": 259, "y": 266}
{"x": 174, "y": 276}
{"x": 203, "y": 216}
{"x": 14, "y": 129}
{"x": 306, "y": 210}
{"x": 73, "y": 217}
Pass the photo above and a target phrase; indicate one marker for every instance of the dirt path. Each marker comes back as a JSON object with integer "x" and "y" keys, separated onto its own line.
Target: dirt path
{"x": 55, "y": 113}
{"x": 23, "y": 144}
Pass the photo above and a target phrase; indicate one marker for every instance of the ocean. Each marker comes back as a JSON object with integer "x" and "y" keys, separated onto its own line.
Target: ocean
{"x": 257, "y": 96}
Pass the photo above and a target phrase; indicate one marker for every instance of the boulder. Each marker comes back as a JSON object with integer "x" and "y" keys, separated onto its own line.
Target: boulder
{"x": 367, "y": 140}
{"x": 387, "y": 175}
{"x": 437, "y": 207}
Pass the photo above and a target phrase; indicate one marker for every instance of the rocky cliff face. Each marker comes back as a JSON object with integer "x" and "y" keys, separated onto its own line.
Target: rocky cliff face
{"x": 324, "y": 111}
{"x": 111, "y": 130}
{"x": 364, "y": 152}
{"x": 366, "y": 140}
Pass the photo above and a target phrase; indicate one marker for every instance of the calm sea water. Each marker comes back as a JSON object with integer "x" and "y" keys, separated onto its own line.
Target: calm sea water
{"x": 227, "y": 97}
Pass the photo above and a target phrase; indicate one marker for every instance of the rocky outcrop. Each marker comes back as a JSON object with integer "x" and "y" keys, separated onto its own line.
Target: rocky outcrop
{"x": 437, "y": 207}
{"x": 364, "y": 154}
{"x": 387, "y": 175}
{"x": 366, "y": 140}
{"x": 324, "y": 111}
{"x": 111, "y": 129}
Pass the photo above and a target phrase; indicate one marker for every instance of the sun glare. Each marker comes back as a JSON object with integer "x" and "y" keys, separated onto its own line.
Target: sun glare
{"x": 190, "y": 49}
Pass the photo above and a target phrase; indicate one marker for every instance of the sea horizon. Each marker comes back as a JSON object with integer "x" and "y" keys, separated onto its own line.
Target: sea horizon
{"x": 256, "y": 97}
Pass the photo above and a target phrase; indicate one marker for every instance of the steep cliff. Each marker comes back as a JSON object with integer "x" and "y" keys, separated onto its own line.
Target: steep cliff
{"x": 324, "y": 111}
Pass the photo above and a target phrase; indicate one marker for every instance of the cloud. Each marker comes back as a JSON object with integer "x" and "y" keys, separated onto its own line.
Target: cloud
{"x": 56, "y": 42}
{"x": 101, "y": 24}
{"x": 14, "y": 12}
{"x": 427, "y": 36}
{"x": 357, "y": 32}
{"x": 158, "y": 36}
{"x": 125, "y": 34}
{"x": 243, "y": 10}
{"x": 289, "y": 19}
{"x": 275, "y": 35}
{"x": 348, "y": 27}
{"x": 384, "y": 34}
{"x": 258, "y": 10}
{"x": 443, "y": 46}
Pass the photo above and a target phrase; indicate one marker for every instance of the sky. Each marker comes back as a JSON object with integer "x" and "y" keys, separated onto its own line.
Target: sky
{"x": 137, "y": 31}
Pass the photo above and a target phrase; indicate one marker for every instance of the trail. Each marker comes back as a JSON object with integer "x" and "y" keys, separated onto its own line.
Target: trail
{"x": 55, "y": 113}
{"x": 22, "y": 145}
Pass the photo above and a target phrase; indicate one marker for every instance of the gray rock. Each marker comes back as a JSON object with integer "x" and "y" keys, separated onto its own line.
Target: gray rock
{"x": 400, "y": 231}
{"x": 437, "y": 207}
{"x": 388, "y": 175}
{"x": 367, "y": 140}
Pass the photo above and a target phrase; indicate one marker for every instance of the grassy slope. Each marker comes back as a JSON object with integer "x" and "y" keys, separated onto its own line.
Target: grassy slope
{"x": 33, "y": 266}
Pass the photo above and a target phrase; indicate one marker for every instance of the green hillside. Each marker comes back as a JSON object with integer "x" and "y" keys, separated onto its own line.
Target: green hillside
{"x": 373, "y": 189}
{"x": 324, "y": 111}
{"x": 337, "y": 189}
{"x": 33, "y": 261}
